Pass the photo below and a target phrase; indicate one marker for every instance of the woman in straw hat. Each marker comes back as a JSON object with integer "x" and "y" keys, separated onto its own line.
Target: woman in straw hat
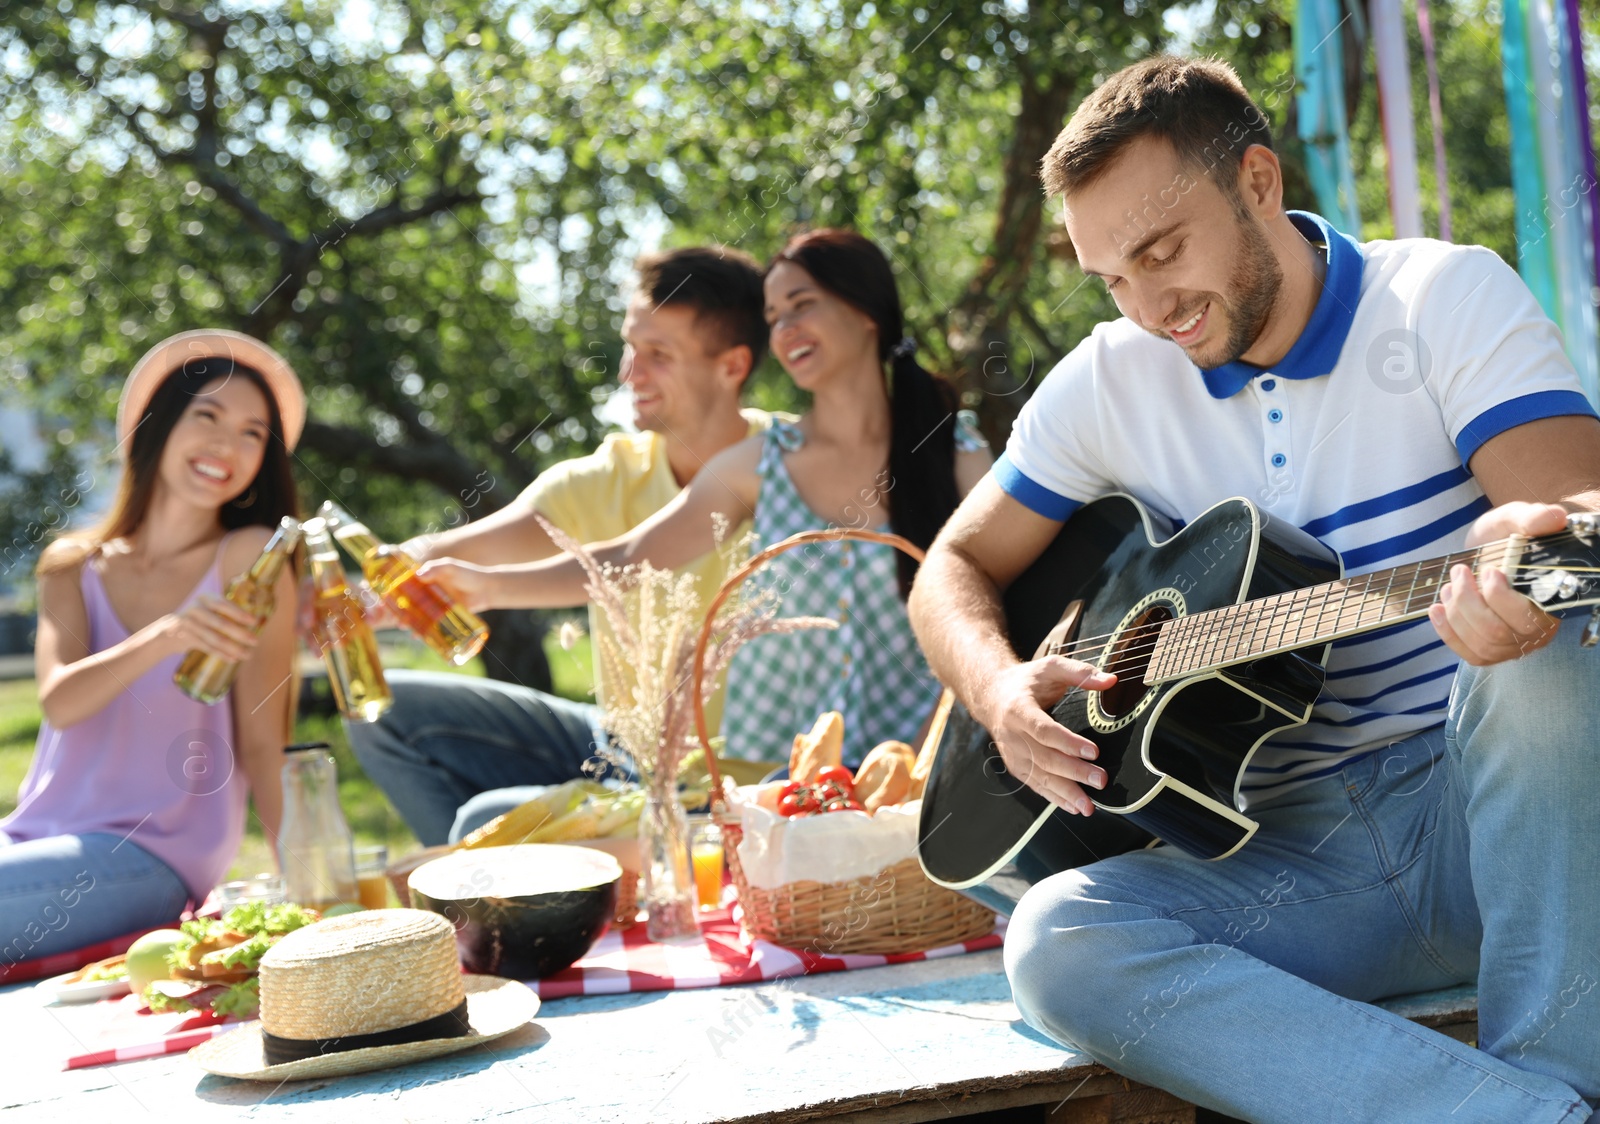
{"x": 135, "y": 801}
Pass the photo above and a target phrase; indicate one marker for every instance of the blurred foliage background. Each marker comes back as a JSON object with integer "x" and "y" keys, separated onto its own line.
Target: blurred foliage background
{"x": 431, "y": 209}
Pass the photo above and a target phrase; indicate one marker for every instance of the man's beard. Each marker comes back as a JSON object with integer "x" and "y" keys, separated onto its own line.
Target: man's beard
{"x": 1252, "y": 293}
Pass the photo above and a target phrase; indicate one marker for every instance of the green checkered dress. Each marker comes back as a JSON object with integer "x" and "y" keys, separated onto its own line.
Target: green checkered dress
{"x": 869, "y": 669}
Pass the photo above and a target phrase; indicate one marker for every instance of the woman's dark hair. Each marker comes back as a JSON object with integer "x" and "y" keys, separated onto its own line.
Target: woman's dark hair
{"x": 270, "y": 496}
{"x": 922, "y": 446}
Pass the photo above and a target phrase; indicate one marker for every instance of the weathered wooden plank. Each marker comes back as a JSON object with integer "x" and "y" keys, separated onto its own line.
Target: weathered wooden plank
{"x": 907, "y": 1043}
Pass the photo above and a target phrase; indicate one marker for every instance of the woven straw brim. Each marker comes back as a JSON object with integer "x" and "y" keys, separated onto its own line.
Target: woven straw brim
{"x": 495, "y": 1007}
{"x": 160, "y": 361}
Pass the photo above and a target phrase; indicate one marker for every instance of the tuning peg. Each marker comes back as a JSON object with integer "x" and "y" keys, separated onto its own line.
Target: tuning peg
{"x": 1591, "y": 631}
{"x": 1584, "y": 523}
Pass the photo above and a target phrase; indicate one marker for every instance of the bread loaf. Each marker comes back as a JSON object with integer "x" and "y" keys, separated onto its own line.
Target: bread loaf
{"x": 885, "y": 775}
{"x": 815, "y": 751}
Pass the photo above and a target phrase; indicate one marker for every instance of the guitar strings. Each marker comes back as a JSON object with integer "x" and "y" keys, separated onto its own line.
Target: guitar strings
{"x": 1135, "y": 653}
{"x": 1196, "y": 638}
{"x": 1284, "y": 609}
{"x": 1413, "y": 599}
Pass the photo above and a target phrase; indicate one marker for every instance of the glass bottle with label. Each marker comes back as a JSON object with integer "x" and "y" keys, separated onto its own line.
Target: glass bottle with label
{"x": 316, "y": 851}
{"x": 421, "y": 606}
{"x": 348, "y": 646}
{"x": 207, "y": 677}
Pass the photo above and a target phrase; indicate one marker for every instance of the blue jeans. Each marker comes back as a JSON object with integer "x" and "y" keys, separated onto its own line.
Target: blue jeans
{"x": 1467, "y": 852}
{"x": 448, "y": 738}
{"x": 69, "y": 891}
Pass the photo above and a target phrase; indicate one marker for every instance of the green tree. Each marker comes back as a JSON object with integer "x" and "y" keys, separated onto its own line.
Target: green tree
{"x": 429, "y": 209}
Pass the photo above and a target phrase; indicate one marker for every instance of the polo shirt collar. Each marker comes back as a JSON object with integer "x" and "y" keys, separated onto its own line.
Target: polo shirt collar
{"x": 1317, "y": 350}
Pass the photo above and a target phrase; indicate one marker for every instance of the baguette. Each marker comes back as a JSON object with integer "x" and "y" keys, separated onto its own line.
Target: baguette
{"x": 885, "y": 775}
{"x": 815, "y": 751}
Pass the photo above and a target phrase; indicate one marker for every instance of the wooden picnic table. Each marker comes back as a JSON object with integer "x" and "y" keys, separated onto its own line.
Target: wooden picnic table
{"x": 928, "y": 1040}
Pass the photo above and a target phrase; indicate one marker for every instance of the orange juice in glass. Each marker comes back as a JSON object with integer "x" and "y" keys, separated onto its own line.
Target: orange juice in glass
{"x": 705, "y": 851}
{"x": 372, "y": 885}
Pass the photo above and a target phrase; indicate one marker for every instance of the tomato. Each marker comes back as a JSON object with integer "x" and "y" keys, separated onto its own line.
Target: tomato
{"x": 839, "y": 775}
{"x": 789, "y": 804}
{"x": 789, "y": 789}
{"x": 810, "y": 800}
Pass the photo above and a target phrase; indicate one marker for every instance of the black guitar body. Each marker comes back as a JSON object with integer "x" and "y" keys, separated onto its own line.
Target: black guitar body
{"x": 1173, "y": 752}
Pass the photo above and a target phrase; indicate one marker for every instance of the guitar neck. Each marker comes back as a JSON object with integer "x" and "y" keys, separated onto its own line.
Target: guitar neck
{"x": 1317, "y": 614}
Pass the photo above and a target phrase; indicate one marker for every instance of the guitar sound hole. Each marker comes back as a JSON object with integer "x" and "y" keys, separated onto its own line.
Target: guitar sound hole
{"x": 1130, "y": 656}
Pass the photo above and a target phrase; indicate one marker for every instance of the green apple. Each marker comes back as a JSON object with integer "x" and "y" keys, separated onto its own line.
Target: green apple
{"x": 342, "y": 908}
{"x": 147, "y": 958}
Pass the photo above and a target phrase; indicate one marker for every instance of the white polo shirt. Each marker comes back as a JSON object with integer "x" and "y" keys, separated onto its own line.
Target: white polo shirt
{"x": 1417, "y": 353}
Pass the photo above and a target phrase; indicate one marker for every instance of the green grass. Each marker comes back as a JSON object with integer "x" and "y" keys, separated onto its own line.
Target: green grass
{"x": 368, "y": 812}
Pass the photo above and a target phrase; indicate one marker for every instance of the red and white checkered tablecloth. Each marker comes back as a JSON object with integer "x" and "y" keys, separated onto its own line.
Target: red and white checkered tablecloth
{"x": 625, "y": 960}
{"x": 119, "y": 1030}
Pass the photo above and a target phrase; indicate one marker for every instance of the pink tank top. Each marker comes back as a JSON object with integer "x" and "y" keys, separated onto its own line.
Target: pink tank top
{"x": 154, "y": 766}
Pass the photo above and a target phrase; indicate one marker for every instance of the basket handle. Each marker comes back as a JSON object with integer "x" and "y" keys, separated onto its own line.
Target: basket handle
{"x": 735, "y": 579}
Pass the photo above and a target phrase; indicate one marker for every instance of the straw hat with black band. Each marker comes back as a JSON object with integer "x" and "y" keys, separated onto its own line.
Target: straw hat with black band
{"x": 365, "y": 991}
{"x": 188, "y": 348}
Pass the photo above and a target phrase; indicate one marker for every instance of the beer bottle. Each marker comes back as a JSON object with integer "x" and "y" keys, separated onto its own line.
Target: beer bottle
{"x": 421, "y": 606}
{"x": 207, "y": 677}
{"x": 348, "y": 646}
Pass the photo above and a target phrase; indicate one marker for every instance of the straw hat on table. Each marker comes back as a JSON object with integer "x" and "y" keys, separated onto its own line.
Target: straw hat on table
{"x": 365, "y": 991}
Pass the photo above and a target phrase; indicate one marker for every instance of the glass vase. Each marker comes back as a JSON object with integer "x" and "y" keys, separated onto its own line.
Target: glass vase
{"x": 667, "y": 892}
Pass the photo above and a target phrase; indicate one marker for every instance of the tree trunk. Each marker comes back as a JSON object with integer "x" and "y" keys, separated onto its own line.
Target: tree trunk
{"x": 995, "y": 374}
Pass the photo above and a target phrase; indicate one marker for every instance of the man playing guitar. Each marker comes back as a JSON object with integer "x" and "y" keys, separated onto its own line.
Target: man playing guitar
{"x": 1432, "y": 823}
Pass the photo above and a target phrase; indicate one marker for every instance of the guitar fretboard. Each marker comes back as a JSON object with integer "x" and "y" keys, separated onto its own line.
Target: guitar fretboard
{"x": 1314, "y": 615}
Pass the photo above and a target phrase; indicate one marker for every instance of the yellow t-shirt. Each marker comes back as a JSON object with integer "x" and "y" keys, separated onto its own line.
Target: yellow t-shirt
{"x": 611, "y": 491}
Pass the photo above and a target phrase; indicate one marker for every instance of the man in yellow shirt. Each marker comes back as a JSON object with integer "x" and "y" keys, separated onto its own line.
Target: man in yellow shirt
{"x": 694, "y": 331}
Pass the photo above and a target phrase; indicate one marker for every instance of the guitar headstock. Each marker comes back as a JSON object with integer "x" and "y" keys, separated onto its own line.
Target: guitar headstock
{"x": 1562, "y": 571}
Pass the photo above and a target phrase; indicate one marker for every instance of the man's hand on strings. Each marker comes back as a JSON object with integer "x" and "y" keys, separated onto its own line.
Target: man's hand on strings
{"x": 1483, "y": 620}
{"x": 1038, "y": 750}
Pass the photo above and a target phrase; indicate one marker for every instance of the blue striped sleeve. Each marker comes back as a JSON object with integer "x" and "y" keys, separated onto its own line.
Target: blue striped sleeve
{"x": 1030, "y": 493}
{"x": 1518, "y": 411}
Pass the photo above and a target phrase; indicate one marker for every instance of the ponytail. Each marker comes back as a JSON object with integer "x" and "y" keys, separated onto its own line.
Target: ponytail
{"x": 922, "y": 447}
{"x": 922, "y": 455}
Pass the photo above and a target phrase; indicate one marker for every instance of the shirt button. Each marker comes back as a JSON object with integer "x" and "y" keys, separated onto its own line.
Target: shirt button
{"x": 844, "y": 602}
{"x": 1275, "y": 415}
{"x": 1279, "y": 460}
{"x": 1269, "y": 384}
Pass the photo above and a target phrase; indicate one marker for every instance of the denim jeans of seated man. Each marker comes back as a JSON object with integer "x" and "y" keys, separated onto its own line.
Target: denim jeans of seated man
{"x": 1469, "y": 852}
{"x": 449, "y": 738}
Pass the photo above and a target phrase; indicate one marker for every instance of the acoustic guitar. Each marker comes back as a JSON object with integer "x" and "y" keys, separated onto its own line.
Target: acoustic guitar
{"x": 1219, "y": 637}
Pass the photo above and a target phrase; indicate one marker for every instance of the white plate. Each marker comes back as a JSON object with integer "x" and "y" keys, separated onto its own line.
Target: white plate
{"x": 64, "y": 992}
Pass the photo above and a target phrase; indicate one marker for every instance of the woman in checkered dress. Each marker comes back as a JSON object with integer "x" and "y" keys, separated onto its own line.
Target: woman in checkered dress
{"x": 883, "y": 447}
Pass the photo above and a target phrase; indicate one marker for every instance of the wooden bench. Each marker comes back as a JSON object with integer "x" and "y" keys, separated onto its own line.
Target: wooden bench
{"x": 923, "y": 1041}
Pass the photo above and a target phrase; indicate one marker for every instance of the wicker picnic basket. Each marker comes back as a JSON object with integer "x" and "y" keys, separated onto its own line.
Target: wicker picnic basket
{"x": 895, "y": 910}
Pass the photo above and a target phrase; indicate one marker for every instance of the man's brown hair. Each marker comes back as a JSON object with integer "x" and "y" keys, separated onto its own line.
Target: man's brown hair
{"x": 1199, "y": 106}
{"x": 721, "y": 284}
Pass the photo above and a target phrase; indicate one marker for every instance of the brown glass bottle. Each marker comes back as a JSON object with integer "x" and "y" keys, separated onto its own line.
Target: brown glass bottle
{"x": 421, "y": 606}
{"x": 208, "y": 677}
{"x": 348, "y": 646}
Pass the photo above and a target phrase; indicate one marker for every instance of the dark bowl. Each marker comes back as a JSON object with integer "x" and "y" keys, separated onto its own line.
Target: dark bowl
{"x": 525, "y": 911}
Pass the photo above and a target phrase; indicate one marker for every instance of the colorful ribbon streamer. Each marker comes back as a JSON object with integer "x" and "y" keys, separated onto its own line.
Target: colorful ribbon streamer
{"x": 1441, "y": 171}
{"x": 1572, "y": 33}
{"x": 1394, "y": 103}
{"x": 1319, "y": 68}
{"x": 1550, "y": 176}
